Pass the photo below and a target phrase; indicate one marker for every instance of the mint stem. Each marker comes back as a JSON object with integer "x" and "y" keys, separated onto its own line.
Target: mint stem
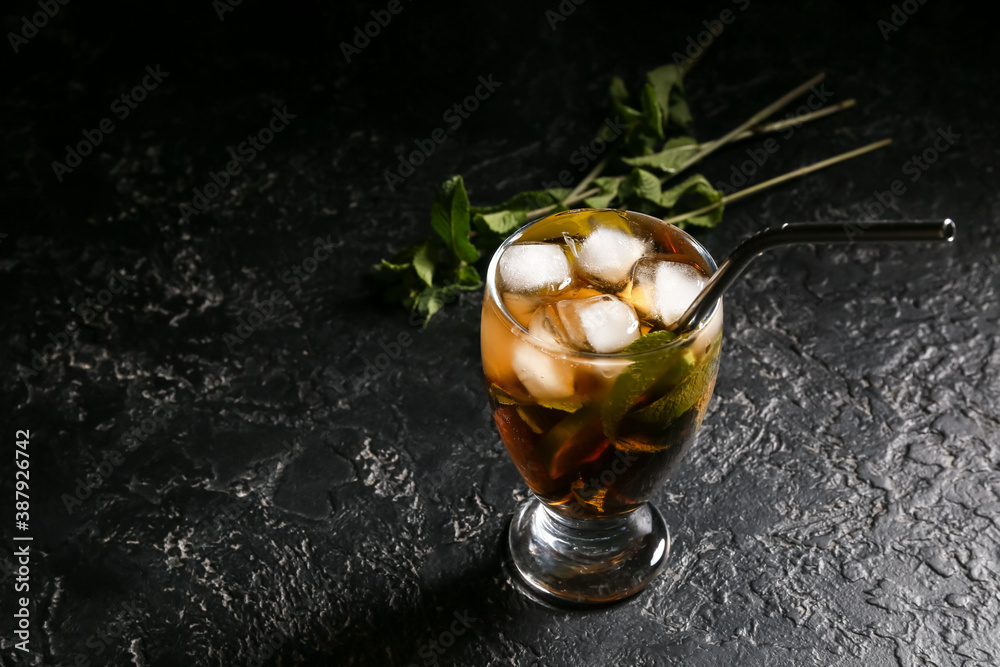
{"x": 793, "y": 121}
{"x": 801, "y": 171}
{"x": 594, "y": 173}
{"x": 755, "y": 119}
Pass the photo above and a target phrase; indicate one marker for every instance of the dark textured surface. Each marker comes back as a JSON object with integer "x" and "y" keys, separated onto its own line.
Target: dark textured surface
{"x": 840, "y": 506}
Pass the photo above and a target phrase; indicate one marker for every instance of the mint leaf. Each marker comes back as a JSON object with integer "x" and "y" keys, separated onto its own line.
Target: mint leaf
{"x": 617, "y": 90}
{"x": 609, "y": 190}
{"x": 433, "y": 297}
{"x": 641, "y": 143}
{"x": 468, "y": 278}
{"x": 429, "y": 302}
{"x": 679, "y": 111}
{"x": 450, "y": 219}
{"x": 663, "y": 80}
{"x": 502, "y": 222}
{"x": 395, "y": 267}
{"x": 668, "y": 81}
{"x": 500, "y": 395}
{"x": 525, "y": 201}
{"x": 644, "y": 127}
{"x": 696, "y": 184}
{"x": 401, "y": 262}
{"x": 423, "y": 262}
{"x": 619, "y": 101}
{"x": 707, "y": 219}
{"x": 641, "y": 184}
{"x": 652, "y": 113}
{"x": 669, "y": 160}
{"x": 642, "y": 375}
{"x": 683, "y": 397}
{"x": 696, "y": 192}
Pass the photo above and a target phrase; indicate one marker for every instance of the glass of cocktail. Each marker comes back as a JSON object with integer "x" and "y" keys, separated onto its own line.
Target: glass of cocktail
{"x": 595, "y": 395}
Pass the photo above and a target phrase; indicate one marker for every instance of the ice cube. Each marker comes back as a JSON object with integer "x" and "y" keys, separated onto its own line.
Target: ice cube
{"x": 662, "y": 290}
{"x": 534, "y": 268}
{"x": 543, "y": 372}
{"x": 522, "y": 307}
{"x": 607, "y": 255}
{"x": 602, "y": 323}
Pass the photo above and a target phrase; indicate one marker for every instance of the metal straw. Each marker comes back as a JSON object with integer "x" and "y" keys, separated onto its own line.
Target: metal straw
{"x": 848, "y": 231}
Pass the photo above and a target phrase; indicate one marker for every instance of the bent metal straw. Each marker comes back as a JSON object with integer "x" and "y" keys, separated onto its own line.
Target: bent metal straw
{"x": 804, "y": 232}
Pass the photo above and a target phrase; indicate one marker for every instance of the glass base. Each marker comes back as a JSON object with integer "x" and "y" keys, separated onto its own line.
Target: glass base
{"x": 587, "y": 561}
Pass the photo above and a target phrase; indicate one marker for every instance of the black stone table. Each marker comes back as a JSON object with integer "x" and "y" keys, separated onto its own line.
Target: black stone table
{"x": 239, "y": 455}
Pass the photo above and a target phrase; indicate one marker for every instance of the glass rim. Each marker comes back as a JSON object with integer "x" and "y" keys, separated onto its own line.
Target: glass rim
{"x": 521, "y": 331}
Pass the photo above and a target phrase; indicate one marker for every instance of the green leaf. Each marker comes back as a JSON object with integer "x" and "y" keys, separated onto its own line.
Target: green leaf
{"x": 565, "y": 405}
{"x": 429, "y": 302}
{"x": 708, "y": 219}
{"x": 495, "y": 223}
{"x": 502, "y": 222}
{"x": 663, "y": 80}
{"x": 400, "y": 262}
{"x": 609, "y": 190}
{"x": 450, "y": 219}
{"x": 683, "y": 397}
{"x": 500, "y": 395}
{"x": 696, "y": 185}
{"x": 679, "y": 111}
{"x": 619, "y": 100}
{"x": 468, "y": 278}
{"x": 668, "y": 367}
{"x": 432, "y": 298}
{"x": 694, "y": 193}
{"x": 669, "y": 160}
{"x": 617, "y": 90}
{"x": 388, "y": 266}
{"x": 423, "y": 261}
{"x": 669, "y": 84}
{"x": 525, "y": 201}
{"x": 641, "y": 184}
{"x": 640, "y": 143}
{"x": 653, "y": 115}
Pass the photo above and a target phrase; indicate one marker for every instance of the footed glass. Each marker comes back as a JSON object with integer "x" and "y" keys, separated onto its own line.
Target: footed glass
{"x": 594, "y": 435}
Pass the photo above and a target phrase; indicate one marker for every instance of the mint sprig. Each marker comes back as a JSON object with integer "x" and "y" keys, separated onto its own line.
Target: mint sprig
{"x": 642, "y": 375}
{"x": 684, "y": 396}
{"x": 450, "y": 219}
{"x": 428, "y": 274}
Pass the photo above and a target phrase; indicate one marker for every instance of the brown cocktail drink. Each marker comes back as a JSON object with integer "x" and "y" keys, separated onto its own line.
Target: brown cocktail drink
{"x": 595, "y": 398}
